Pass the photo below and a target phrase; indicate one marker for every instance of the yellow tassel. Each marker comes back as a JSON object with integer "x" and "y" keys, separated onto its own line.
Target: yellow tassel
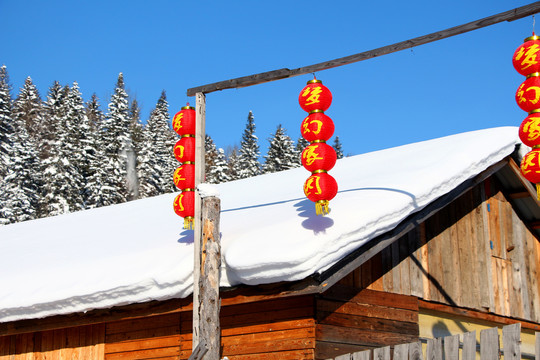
{"x": 321, "y": 207}
{"x": 188, "y": 223}
{"x": 538, "y": 192}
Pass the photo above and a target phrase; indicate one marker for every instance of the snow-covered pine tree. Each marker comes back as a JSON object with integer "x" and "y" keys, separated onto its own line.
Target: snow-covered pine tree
{"x": 232, "y": 162}
{"x": 94, "y": 113}
{"x": 210, "y": 155}
{"x": 301, "y": 144}
{"x": 64, "y": 181}
{"x": 220, "y": 171}
{"x": 281, "y": 153}
{"x": 54, "y": 113}
{"x": 7, "y": 136}
{"x": 6, "y": 123}
{"x": 95, "y": 193}
{"x": 136, "y": 127}
{"x": 157, "y": 163}
{"x": 338, "y": 147}
{"x": 248, "y": 155}
{"x": 19, "y": 185}
{"x": 217, "y": 170}
{"x": 28, "y": 108}
{"x": 20, "y": 188}
{"x": 117, "y": 146}
{"x": 82, "y": 146}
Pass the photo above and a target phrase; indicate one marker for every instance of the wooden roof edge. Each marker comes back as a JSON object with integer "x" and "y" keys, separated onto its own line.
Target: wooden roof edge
{"x": 529, "y": 188}
{"x": 358, "y": 257}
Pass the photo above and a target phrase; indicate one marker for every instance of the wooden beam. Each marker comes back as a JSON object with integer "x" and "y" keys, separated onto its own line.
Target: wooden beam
{"x": 209, "y": 326}
{"x": 284, "y": 73}
{"x": 519, "y": 195}
{"x": 534, "y": 225}
{"x": 200, "y": 123}
{"x": 199, "y": 352}
{"x": 526, "y": 183}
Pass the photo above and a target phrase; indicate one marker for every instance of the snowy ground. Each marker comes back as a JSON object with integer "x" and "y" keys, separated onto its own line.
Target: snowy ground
{"x": 138, "y": 251}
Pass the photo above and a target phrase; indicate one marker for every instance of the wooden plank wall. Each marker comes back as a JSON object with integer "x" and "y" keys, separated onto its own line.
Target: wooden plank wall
{"x": 144, "y": 338}
{"x": 475, "y": 253}
{"x": 81, "y": 342}
{"x": 270, "y": 329}
{"x": 349, "y": 320}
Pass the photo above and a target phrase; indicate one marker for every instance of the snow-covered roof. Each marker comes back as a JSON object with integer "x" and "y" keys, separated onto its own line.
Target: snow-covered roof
{"x": 138, "y": 251}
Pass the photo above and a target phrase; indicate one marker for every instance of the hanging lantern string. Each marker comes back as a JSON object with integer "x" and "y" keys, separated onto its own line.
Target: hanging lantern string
{"x": 534, "y": 23}
{"x": 188, "y": 223}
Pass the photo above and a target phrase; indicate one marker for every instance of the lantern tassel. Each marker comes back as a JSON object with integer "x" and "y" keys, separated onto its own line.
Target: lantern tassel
{"x": 538, "y": 191}
{"x": 188, "y": 223}
{"x": 321, "y": 207}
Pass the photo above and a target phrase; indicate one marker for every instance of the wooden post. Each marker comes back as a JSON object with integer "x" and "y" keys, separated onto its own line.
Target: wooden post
{"x": 209, "y": 305}
{"x": 489, "y": 344}
{"x": 199, "y": 352}
{"x": 469, "y": 346}
{"x": 200, "y": 123}
{"x": 512, "y": 341}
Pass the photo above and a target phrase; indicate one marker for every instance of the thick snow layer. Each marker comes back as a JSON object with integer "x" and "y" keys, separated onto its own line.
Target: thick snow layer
{"x": 207, "y": 190}
{"x": 138, "y": 251}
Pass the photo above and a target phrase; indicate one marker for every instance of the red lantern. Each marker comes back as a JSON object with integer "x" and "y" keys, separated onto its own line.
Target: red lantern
{"x": 320, "y": 188}
{"x": 184, "y": 150}
{"x": 528, "y": 94}
{"x": 317, "y": 126}
{"x": 184, "y": 177}
{"x": 319, "y": 156}
{"x": 184, "y": 121}
{"x": 315, "y": 96}
{"x": 529, "y": 131}
{"x": 530, "y": 168}
{"x": 184, "y": 206}
{"x": 526, "y": 59}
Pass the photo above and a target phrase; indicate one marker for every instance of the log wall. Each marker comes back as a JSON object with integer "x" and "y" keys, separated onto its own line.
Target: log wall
{"x": 80, "y": 342}
{"x": 282, "y": 328}
{"x": 475, "y": 253}
{"x": 349, "y": 320}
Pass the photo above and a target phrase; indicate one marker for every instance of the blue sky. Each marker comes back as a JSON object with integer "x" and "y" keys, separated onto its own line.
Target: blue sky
{"x": 459, "y": 84}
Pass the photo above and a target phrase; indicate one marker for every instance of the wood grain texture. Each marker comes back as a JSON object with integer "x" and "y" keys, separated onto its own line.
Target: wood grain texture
{"x": 209, "y": 319}
{"x": 469, "y": 346}
{"x": 382, "y": 353}
{"x": 451, "y": 347}
{"x": 489, "y": 344}
{"x": 200, "y": 129}
{"x": 512, "y": 342}
{"x": 415, "y": 351}
{"x": 361, "y": 355}
{"x": 434, "y": 349}
{"x": 401, "y": 352}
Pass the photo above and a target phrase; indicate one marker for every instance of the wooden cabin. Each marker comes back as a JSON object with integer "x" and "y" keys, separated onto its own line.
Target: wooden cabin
{"x": 468, "y": 260}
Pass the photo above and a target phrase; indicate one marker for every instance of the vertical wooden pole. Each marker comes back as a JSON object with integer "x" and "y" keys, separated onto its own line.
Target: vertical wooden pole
{"x": 489, "y": 344}
{"x": 469, "y": 346}
{"x": 209, "y": 328}
{"x": 200, "y": 123}
{"x": 512, "y": 341}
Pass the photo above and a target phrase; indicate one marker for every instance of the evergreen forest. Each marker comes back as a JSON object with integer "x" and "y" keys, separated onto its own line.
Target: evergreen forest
{"x": 61, "y": 154}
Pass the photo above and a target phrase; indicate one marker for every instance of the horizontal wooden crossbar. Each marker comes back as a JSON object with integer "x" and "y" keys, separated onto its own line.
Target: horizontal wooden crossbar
{"x": 284, "y": 73}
